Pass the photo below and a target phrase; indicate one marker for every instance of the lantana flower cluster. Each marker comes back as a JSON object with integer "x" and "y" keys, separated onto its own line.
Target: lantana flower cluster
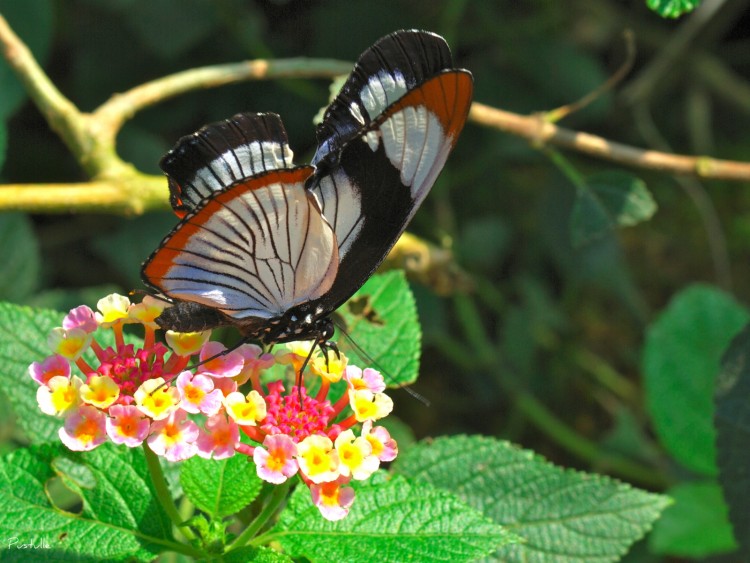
{"x": 131, "y": 395}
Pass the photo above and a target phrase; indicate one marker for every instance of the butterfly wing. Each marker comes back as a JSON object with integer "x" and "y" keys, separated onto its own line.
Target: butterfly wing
{"x": 250, "y": 252}
{"x": 222, "y": 154}
{"x": 382, "y": 144}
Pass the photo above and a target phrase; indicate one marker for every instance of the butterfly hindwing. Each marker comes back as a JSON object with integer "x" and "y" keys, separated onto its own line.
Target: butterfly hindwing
{"x": 252, "y": 251}
{"x": 222, "y": 154}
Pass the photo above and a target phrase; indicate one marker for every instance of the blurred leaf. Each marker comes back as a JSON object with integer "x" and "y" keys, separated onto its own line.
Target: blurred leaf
{"x": 141, "y": 148}
{"x": 680, "y": 363}
{"x": 220, "y": 487}
{"x": 484, "y": 243}
{"x": 562, "y": 515}
{"x": 132, "y": 242}
{"x": 120, "y": 519}
{"x": 733, "y": 431}
{"x": 696, "y": 525}
{"x": 66, "y": 299}
{"x": 381, "y": 318}
{"x": 393, "y": 520}
{"x": 170, "y": 32}
{"x": 609, "y": 200}
{"x": 19, "y": 256}
{"x": 557, "y": 73}
{"x": 32, "y": 21}
{"x": 672, "y": 8}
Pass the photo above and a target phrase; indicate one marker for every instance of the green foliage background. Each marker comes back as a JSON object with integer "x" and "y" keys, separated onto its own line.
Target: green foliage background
{"x": 564, "y": 320}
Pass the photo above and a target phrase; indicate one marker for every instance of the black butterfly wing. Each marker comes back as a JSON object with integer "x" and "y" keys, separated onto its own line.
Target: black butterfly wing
{"x": 222, "y": 154}
{"x": 382, "y": 144}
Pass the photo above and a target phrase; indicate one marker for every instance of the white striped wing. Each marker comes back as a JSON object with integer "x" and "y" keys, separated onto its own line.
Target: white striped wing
{"x": 255, "y": 250}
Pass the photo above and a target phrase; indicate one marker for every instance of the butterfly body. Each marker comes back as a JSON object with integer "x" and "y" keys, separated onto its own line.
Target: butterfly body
{"x": 272, "y": 248}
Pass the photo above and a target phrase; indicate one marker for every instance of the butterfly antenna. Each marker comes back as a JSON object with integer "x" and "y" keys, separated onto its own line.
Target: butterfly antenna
{"x": 370, "y": 360}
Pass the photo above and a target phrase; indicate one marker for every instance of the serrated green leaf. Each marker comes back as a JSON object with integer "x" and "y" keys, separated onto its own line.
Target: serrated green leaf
{"x": 120, "y": 518}
{"x": 19, "y": 255}
{"x": 680, "y": 363}
{"x": 562, "y": 515}
{"x": 606, "y": 201}
{"x": 733, "y": 435}
{"x": 382, "y": 319}
{"x": 23, "y": 339}
{"x": 393, "y": 520}
{"x": 32, "y": 21}
{"x": 250, "y": 554}
{"x": 220, "y": 487}
{"x": 696, "y": 525}
{"x": 672, "y": 8}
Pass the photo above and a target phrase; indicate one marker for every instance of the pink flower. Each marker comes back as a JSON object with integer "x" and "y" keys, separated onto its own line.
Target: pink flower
{"x": 84, "y": 429}
{"x": 220, "y": 438}
{"x": 81, "y": 317}
{"x": 383, "y": 446}
{"x": 198, "y": 394}
{"x": 50, "y": 367}
{"x": 174, "y": 437}
{"x": 219, "y": 364}
{"x": 255, "y": 361}
{"x": 127, "y": 425}
{"x": 275, "y": 461}
{"x": 369, "y": 379}
{"x": 332, "y": 499}
{"x": 287, "y": 415}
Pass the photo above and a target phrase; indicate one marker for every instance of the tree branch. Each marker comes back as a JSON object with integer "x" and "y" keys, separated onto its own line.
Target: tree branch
{"x": 540, "y": 132}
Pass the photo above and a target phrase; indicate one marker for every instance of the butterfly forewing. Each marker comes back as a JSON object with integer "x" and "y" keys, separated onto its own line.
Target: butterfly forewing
{"x": 254, "y": 250}
{"x": 222, "y": 154}
{"x": 383, "y": 174}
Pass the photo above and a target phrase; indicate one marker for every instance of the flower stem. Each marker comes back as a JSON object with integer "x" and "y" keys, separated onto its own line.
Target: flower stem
{"x": 278, "y": 496}
{"x": 163, "y": 494}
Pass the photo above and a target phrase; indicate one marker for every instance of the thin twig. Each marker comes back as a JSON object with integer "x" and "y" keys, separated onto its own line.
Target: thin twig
{"x": 540, "y": 132}
{"x": 557, "y": 114}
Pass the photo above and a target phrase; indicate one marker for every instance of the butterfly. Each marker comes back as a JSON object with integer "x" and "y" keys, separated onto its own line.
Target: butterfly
{"x": 272, "y": 248}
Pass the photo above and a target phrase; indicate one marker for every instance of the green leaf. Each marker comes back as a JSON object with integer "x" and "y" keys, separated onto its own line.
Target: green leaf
{"x": 23, "y": 339}
{"x": 562, "y": 515}
{"x": 19, "y": 255}
{"x": 393, "y": 520}
{"x": 381, "y": 318}
{"x": 220, "y": 487}
{"x": 249, "y": 554}
{"x": 733, "y": 435}
{"x": 696, "y": 525}
{"x": 672, "y": 8}
{"x": 606, "y": 201}
{"x": 32, "y": 21}
{"x": 120, "y": 518}
{"x": 680, "y": 363}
